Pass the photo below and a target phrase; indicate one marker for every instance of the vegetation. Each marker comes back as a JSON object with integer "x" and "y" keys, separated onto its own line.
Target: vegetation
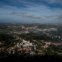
{"x": 8, "y": 38}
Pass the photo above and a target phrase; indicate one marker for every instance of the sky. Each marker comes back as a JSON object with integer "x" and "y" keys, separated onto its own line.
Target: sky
{"x": 31, "y": 11}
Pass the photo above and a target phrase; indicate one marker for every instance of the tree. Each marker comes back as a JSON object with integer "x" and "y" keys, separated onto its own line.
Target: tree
{"x": 6, "y": 39}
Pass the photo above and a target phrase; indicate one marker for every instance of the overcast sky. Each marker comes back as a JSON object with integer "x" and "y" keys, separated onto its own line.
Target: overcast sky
{"x": 31, "y": 11}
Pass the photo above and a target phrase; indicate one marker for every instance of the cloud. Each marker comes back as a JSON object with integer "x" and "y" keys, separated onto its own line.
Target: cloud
{"x": 55, "y": 1}
{"x": 32, "y": 12}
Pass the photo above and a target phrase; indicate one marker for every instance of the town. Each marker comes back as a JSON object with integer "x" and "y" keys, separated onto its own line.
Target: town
{"x": 30, "y": 39}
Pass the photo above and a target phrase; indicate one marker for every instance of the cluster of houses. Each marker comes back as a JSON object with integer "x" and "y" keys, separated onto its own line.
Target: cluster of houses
{"x": 26, "y": 47}
{"x": 22, "y": 47}
{"x": 47, "y": 44}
